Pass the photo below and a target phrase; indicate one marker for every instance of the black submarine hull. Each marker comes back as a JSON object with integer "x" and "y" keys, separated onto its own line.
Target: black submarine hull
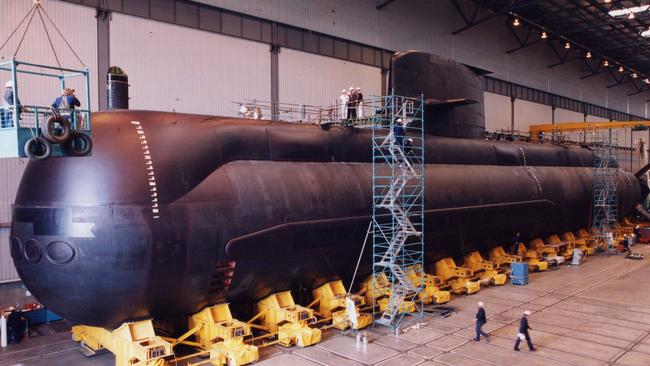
{"x": 173, "y": 212}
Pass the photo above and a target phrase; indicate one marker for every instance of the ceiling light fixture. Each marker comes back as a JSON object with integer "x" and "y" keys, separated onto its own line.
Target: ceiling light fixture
{"x": 646, "y": 33}
{"x": 647, "y": 81}
{"x": 634, "y": 75}
{"x": 588, "y": 55}
{"x": 620, "y": 69}
{"x": 516, "y": 22}
{"x": 544, "y": 35}
{"x": 629, "y": 12}
{"x": 605, "y": 63}
{"x": 567, "y": 45}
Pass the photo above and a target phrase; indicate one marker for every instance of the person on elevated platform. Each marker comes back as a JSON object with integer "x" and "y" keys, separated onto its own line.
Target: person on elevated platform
{"x": 6, "y": 118}
{"x": 352, "y": 104}
{"x": 66, "y": 103}
{"x": 359, "y": 102}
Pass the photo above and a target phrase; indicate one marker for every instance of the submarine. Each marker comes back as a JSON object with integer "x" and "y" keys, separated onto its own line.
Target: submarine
{"x": 173, "y": 212}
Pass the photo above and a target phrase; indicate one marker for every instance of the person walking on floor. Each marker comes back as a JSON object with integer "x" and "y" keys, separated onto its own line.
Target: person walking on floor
{"x": 523, "y": 332}
{"x": 480, "y": 322}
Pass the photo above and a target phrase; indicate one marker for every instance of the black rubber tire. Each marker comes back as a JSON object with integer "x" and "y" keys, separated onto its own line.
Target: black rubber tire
{"x": 48, "y": 129}
{"x": 38, "y": 148}
{"x": 73, "y": 150}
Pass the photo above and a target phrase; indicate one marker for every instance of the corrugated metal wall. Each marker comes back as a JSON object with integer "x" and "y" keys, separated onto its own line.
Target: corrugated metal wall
{"x": 79, "y": 26}
{"x": 427, "y": 25}
{"x": 318, "y": 80}
{"x": 10, "y": 172}
{"x": 173, "y": 68}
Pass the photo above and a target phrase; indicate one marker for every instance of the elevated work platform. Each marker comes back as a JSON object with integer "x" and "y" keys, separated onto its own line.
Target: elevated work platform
{"x": 36, "y": 130}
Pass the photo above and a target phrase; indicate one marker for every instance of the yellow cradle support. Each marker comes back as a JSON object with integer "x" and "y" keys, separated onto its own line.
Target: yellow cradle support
{"x": 499, "y": 257}
{"x": 431, "y": 294}
{"x": 485, "y": 270}
{"x": 565, "y": 250}
{"x": 223, "y": 336}
{"x": 278, "y": 313}
{"x": 461, "y": 280}
{"x": 133, "y": 344}
{"x": 530, "y": 257}
{"x": 378, "y": 290}
{"x": 332, "y": 297}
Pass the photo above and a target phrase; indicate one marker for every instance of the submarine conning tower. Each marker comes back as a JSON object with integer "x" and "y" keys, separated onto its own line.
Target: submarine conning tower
{"x": 453, "y": 92}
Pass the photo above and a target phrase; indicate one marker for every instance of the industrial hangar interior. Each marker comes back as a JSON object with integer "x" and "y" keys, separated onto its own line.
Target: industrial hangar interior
{"x": 324, "y": 182}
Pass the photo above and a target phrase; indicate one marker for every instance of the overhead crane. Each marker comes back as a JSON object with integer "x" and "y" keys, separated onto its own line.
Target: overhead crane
{"x": 564, "y": 127}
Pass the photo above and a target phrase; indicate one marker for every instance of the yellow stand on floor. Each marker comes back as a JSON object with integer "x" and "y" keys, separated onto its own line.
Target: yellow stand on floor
{"x": 566, "y": 248}
{"x": 278, "y": 313}
{"x": 432, "y": 293}
{"x": 332, "y": 297}
{"x": 133, "y": 344}
{"x": 499, "y": 257}
{"x": 582, "y": 243}
{"x": 377, "y": 290}
{"x": 485, "y": 270}
{"x": 530, "y": 256}
{"x": 461, "y": 279}
{"x": 223, "y": 336}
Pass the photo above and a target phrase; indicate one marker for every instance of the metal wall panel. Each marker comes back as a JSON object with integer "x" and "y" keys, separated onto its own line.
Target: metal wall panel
{"x": 427, "y": 25}
{"x": 173, "y": 68}
{"x": 11, "y": 170}
{"x": 78, "y": 25}
{"x": 318, "y": 80}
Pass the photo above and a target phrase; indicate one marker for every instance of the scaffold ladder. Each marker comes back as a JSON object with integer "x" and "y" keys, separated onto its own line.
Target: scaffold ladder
{"x": 398, "y": 201}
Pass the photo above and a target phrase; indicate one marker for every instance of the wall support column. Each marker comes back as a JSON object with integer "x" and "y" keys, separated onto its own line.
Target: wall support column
{"x": 275, "y": 82}
{"x": 103, "y": 17}
{"x": 512, "y": 115}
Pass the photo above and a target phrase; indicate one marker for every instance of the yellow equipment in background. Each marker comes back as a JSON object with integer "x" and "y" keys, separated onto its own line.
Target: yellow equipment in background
{"x": 432, "y": 292}
{"x": 133, "y": 344}
{"x": 530, "y": 256}
{"x": 541, "y": 249}
{"x": 460, "y": 279}
{"x": 278, "y": 313}
{"x": 485, "y": 270}
{"x": 378, "y": 291}
{"x": 499, "y": 257}
{"x": 331, "y": 298}
{"x": 581, "y": 244}
{"x": 583, "y": 238}
{"x": 223, "y": 336}
{"x": 564, "y": 249}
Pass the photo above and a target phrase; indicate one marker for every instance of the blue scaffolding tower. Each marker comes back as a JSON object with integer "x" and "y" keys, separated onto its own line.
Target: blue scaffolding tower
{"x": 398, "y": 206}
{"x": 605, "y": 189}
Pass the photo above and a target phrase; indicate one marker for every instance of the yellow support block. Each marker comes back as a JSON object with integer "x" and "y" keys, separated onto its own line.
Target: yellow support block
{"x": 582, "y": 241}
{"x": 332, "y": 298}
{"x": 223, "y": 336}
{"x": 375, "y": 288}
{"x": 279, "y": 313}
{"x": 460, "y": 279}
{"x": 499, "y": 257}
{"x": 133, "y": 344}
{"x": 431, "y": 292}
{"x": 530, "y": 257}
{"x": 566, "y": 250}
{"x": 485, "y": 270}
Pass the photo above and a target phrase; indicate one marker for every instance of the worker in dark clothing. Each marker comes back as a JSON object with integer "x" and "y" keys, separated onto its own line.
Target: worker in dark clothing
{"x": 515, "y": 244}
{"x": 480, "y": 322}
{"x": 626, "y": 244}
{"x": 352, "y": 104}
{"x": 359, "y": 102}
{"x": 399, "y": 132}
{"x": 15, "y": 322}
{"x": 523, "y": 332}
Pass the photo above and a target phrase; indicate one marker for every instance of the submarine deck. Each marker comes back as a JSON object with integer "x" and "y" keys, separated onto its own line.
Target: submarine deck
{"x": 595, "y": 314}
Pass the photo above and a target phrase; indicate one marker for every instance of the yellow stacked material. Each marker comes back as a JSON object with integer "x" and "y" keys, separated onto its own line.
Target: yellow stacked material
{"x": 223, "y": 336}
{"x": 279, "y": 313}
{"x": 499, "y": 257}
{"x": 580, "y": 243}
{"x": 460, "y": 279}
{"x": 333, "y": 300}
{"x": 564, "y": 249}
{"x": 432, "y": 293}
{"x": 530, "y": 256}
{"x": 486, "y": 271}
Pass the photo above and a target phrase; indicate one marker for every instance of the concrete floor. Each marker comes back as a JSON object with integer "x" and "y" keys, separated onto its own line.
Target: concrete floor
{"x": 595, "y": 314}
